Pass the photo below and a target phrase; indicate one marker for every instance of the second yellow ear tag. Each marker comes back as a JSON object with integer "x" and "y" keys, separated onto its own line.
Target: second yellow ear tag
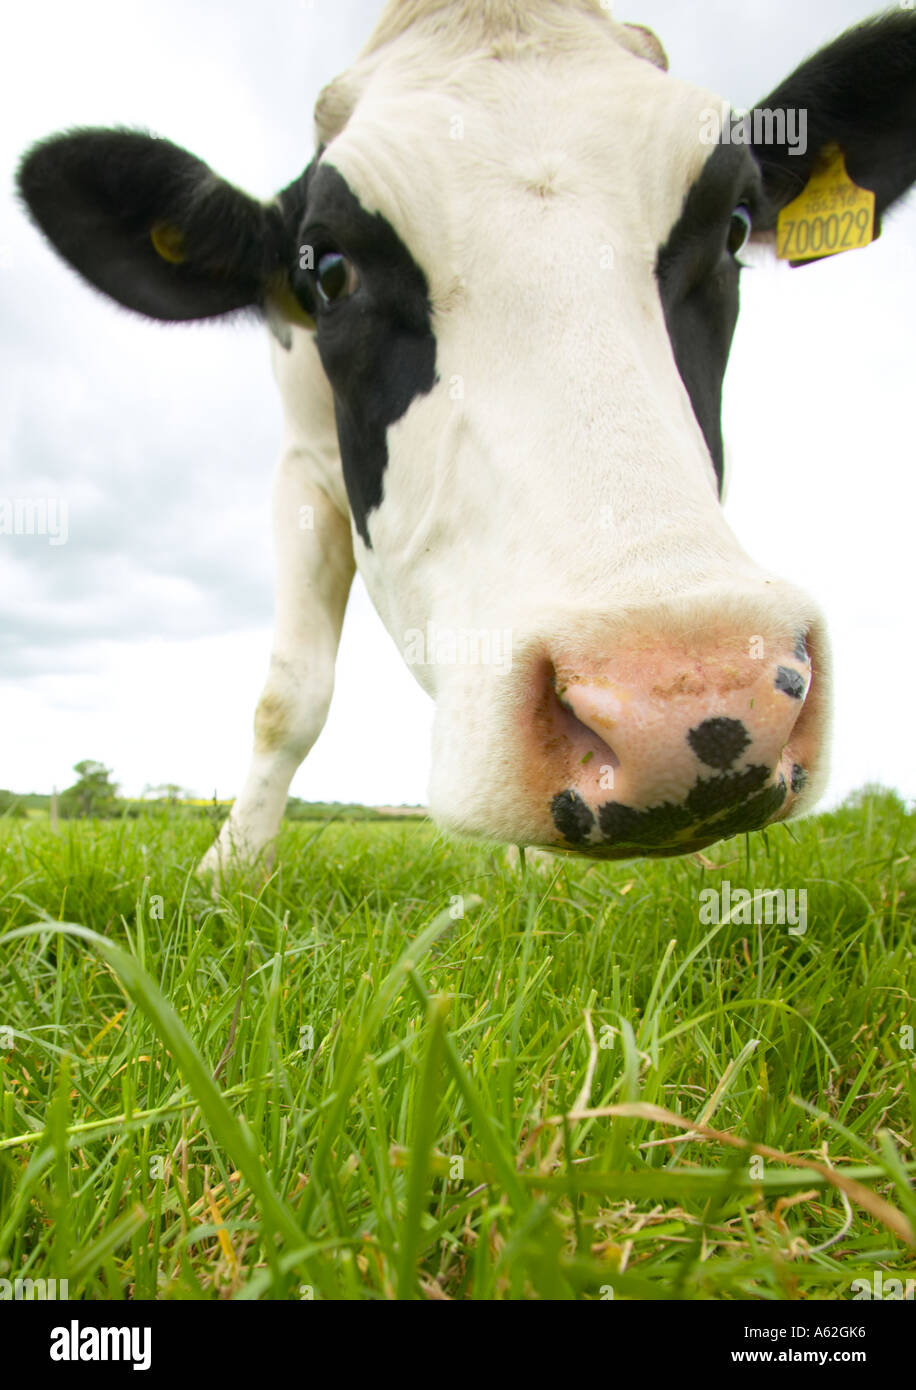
{"x": 830, "y": 215}
{"x": 168, "y": 242}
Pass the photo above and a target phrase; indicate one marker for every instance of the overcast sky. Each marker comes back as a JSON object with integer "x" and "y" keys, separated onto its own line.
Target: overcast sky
{"x": 143, "y": 641}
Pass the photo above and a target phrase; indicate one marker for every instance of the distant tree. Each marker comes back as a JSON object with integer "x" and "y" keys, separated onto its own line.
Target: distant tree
{"x": 11, "y": 805}
{"x": 166, "y": 791}
{"x": 93, "y": 793}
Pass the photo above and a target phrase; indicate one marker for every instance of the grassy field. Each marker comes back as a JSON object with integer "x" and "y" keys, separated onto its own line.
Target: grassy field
{"x": 394, "y": 1069}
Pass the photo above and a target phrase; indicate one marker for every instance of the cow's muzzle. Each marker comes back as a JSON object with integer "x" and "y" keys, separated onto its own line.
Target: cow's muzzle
{"x": 659, "y": 752}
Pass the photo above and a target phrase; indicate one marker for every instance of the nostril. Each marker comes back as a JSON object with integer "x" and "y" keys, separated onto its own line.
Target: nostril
{"x": 586, "y": 732}
{"x": 790, "y": 682}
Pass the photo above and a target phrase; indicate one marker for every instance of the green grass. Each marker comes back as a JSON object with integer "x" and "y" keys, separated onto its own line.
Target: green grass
{"x": 332, "y": 1084}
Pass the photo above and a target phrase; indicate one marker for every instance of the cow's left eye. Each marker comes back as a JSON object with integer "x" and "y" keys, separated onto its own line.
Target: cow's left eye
{"x": 739, "y": 230}
{"x": 336, "y": 278}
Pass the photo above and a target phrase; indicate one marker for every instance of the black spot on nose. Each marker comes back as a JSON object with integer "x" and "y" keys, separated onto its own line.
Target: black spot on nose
{"x": 572, "y": 817}
{"x": 718, "y": 742}
{"x": 790, "y": 682}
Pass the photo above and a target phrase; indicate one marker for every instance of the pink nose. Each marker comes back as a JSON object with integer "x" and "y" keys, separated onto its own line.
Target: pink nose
{"x": 665, "y": 751}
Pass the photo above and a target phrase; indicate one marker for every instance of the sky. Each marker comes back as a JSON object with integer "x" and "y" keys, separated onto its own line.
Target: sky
{"x": 143, "y": 639}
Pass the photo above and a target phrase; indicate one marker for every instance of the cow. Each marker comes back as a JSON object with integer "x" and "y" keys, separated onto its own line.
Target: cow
{"x": 500, "y": 301}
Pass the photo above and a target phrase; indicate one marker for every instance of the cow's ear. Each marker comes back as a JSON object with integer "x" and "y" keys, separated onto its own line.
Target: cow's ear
{"x": 152, "y": 226}
{"x": 858, "y": 93}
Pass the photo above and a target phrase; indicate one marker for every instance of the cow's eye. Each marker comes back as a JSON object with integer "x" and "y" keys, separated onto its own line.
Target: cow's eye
{"x": 739, "y": 230}
{"x": 336, "y": 277}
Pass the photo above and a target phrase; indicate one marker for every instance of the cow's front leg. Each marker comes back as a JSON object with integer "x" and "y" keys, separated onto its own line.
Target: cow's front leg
{"x": 314, "y": 572}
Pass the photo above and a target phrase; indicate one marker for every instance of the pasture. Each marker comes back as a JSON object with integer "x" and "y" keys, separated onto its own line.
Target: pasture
{"x": 330, "y": 1083}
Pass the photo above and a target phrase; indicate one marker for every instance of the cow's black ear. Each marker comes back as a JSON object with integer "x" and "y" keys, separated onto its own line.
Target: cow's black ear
{"x": 151, "y": 225}
{"x": 859, "y": 93}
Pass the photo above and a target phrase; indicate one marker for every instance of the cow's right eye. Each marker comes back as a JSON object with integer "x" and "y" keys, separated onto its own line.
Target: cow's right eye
{"x": 739, "y": 230}
{"x": 336, "y": 277}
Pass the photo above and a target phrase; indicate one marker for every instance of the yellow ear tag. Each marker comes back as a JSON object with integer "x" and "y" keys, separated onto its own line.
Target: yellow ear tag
{"x": 168, "y": 242}
{"x": 830, "y": 215}
{"x": 287, "y": 304}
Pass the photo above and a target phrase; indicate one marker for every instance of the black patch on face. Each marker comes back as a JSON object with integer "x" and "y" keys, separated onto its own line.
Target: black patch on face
{"x": 716, "y": 808}
{"x": 656, "y": 826}
{"x": 698, "y": 283}
{"x": 718, "y": 742}
{"x": 790, "y": 682}
{"x": 752, "y": 814}
{"x": 799, "y": 777}
{"x": 572, "y": 817}
{"x": 377, "y": 346}
{"x": 712, "y": 796}
{"x": 801, "y": 647}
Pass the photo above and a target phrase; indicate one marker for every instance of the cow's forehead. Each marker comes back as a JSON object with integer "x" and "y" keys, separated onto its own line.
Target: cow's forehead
{"x": 616, "y": 140}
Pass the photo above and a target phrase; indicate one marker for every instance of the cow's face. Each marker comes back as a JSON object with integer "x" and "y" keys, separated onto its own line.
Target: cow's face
{"x": 510, "y": 290}
{"x": 519, "y": 264}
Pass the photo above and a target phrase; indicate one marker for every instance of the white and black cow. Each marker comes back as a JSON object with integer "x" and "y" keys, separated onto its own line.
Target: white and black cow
{"x": 502, "y": 296}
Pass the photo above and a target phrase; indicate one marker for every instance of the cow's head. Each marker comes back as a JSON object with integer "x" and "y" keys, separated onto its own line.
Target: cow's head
{"x": 517, "y": 248}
